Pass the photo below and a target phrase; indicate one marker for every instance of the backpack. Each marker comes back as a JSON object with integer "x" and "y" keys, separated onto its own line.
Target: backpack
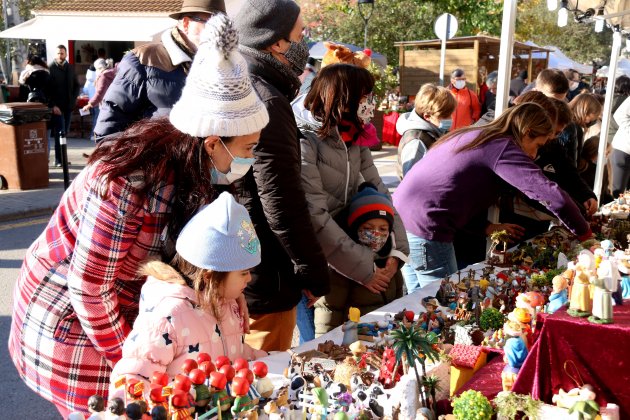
{"x": 409, "y": 135}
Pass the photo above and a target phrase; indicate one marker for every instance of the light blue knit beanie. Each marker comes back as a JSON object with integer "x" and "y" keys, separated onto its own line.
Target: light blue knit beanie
{"x": 220, "y": 237}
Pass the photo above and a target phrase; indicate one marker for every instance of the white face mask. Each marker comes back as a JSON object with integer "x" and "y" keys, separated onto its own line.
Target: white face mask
{"x": 238, "y": 169}
{"x": 365, "y": 112}
{"x": 574, "y": 85}
{"x": 459, "y": 84}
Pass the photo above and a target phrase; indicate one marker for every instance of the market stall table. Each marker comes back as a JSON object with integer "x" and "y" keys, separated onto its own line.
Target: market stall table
{"x": 598, "y": 352}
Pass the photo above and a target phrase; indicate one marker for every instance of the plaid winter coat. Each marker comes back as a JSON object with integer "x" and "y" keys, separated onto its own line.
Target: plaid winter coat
{"x": 78, "y": 290}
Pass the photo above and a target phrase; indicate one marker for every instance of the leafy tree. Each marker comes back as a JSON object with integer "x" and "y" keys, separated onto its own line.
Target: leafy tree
{"x": 578, "y": 41}
{"x": 410, "y": 20}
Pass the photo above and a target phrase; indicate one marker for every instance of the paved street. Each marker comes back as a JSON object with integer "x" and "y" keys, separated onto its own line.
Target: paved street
{"x": 23, "y": 216}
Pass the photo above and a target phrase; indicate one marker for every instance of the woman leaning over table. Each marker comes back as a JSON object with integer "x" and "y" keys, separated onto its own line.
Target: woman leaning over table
{"x": 460, "y": 177}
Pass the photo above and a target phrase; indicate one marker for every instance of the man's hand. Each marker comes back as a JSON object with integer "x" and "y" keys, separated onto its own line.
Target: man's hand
{"x": 56, "y": 110}
{"x": 86, "y": 108}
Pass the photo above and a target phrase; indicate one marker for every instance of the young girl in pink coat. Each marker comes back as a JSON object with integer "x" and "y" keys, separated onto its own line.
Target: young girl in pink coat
{"x": 190, "y": 306}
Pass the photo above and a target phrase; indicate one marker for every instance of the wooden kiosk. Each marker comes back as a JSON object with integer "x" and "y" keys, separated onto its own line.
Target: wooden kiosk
{"x": 420, "y": 60}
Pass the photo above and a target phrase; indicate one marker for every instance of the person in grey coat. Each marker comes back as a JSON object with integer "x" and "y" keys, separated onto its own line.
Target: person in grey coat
{"x": 333, "y": 167}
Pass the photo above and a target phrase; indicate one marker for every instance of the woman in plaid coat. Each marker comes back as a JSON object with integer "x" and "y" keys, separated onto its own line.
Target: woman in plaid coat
{"x": 79, "y": 288}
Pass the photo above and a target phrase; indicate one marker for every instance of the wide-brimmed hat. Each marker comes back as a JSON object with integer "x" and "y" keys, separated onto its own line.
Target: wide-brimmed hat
{"x": 199, "y": 6}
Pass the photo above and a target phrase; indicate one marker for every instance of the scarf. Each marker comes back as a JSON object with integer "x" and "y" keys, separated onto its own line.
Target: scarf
{"x": 183, "y": 45}
{"x": 348, "y": 132}
{"x": 268, "y": 58}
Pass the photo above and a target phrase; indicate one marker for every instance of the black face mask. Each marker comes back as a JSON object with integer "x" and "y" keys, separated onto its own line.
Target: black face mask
{"x": 296, "y": 55}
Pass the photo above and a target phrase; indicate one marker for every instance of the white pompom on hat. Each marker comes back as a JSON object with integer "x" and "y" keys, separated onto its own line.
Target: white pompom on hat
{"x": 218, "y": 98}
{"x": 220, "y": 237}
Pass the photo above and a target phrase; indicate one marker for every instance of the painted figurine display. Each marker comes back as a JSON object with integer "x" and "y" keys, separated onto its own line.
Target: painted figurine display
{"x": 350, "y": 328}
{"x": 559, "y": 297}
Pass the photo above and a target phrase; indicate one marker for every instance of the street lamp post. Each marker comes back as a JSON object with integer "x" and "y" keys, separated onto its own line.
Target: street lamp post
{"x": 366, "y": 8}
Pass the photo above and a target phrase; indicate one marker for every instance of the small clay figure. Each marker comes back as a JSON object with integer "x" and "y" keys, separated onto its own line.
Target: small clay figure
{"x": 219, "y": 396}
{"x": 262, "y": 383}
{"x": 431, "y": 320}
{"x": 134, "y": 411}
{"x": 242, "y": 401}
{"x": 320, "y": 402}
{"x": 357, "y": 349}
{"x": 515, "y": 353}
{"x": 159, "y": 413}
{"x": 156, "y": 398}
{"x": 351, "y": 334}
{"x": 202, "y": 393}
{"x": 116, "y": 408}
{"x": 180, "y": 406}
{"x": 580, "y": 304}
{"x": 96, "y": 407}
{"x": 605, "y": 283}
{"x": 559, "y": 297}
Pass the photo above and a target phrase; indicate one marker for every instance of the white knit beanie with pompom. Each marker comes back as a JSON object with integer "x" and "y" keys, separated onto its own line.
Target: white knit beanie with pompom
{"x": 218, "y": 98}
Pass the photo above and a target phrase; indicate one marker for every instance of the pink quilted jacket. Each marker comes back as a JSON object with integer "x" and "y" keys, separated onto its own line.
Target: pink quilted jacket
{"x": 170, "y": 328}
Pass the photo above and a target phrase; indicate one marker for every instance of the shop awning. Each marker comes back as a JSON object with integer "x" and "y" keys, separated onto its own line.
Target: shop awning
{"x": 91, "y": 28}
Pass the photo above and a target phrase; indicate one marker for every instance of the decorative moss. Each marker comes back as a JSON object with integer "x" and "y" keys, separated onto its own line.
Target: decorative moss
{"x": 472, "y": 405}
{"x": 491, "y": 319}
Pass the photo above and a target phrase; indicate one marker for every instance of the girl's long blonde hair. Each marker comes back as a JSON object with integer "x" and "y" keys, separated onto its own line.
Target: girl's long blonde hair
{"x": 207, "y": 284}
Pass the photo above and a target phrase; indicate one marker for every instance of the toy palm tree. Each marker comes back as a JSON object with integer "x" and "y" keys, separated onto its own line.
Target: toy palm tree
{"x": 416, "y": 345}
{"x": 432, "y": 385}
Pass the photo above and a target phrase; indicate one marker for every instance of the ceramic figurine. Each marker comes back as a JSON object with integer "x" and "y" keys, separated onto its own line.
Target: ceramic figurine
{"x": 218, "y": 394}
{"x": 96, "y": 407}
{"x": 242, "y": 401}
{"x": 180, "y": 405}
{"x": 135, "y": 390}
{"x": 202, "y": 393}
{"x": 578, "y": 400}
{"x": 357, "y": 349}
{"x": 320, "y": 402}
{"x": 116, "y": 409}
{"x": 605, "y": 283}
{"x": 559, "y": 297}
{"x": 350, "y": 328}
{"x": 261, "y": 382}
{"x": 524, "y": 318}
{"x": 580, "y": 303}
{"x": 515, "y": 353}
{"x": 431, "y": 320}
{"x": 156, "y": 397}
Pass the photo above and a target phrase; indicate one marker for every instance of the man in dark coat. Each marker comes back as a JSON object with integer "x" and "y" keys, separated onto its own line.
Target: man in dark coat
{"x": 64, "y": 89}
{"x": 150, "y": 78}
{"x": 292, "y": 260}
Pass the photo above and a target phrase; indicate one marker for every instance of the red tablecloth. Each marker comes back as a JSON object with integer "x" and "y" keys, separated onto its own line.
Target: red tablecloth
{"x": 601, "y": 354}
{"x": 390, "y": 135}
